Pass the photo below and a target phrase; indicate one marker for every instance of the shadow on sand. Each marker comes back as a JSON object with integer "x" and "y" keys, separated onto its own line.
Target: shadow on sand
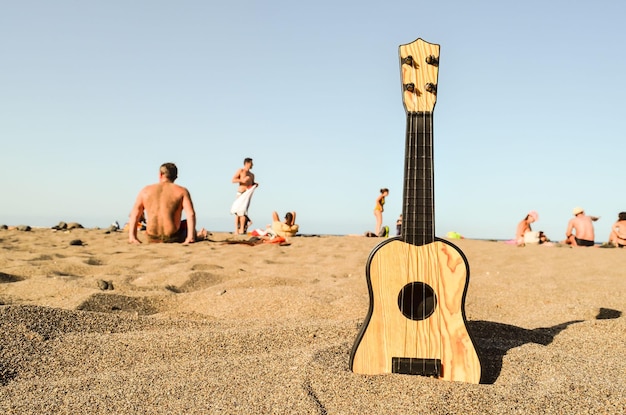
{"x": 494, "y": 340}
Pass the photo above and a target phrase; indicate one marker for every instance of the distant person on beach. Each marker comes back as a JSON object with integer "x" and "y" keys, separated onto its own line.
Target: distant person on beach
{"x": 399, "y": 226}
{"x": 164, "y": 203}
{"x": 286, "y": 228}
{"x": 580, "y": 229}
{"x": 524, "y": 226}
{"x": 141, "y": 223}
{"x": 618, "y": 231}
{"x": 379, "y": 208}
{"x": 246, "y": 185}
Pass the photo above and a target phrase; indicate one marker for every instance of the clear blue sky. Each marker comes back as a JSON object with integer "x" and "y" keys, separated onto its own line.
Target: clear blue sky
{"x": 96, "y": 95}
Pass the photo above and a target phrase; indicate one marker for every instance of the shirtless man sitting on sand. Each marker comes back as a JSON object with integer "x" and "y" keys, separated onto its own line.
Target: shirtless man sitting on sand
{"x": 164, "y": 203}
{"x": 583, "y": 227}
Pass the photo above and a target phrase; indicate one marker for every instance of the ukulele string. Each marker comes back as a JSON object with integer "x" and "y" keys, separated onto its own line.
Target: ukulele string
{"x": 422, "y": 155}
{"x": 437, "y": 276}
{"x": 419, "y": 238}
{"x": 414, "y": 186}
{"x": 411, "y": 221}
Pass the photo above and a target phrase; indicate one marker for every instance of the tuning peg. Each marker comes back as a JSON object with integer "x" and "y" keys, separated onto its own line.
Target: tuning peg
{"x": 409, "y": 61}
{"x": 432, "y": 60}
{"x": 432, "y": 88}
{"x": 409, "y": 87}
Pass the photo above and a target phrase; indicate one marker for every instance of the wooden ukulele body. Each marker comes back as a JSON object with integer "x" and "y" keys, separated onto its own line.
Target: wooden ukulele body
{"x": 434, "y": 340}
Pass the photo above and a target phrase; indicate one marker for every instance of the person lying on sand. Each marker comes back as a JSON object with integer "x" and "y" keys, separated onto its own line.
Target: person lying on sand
{"x": 164, "y": 203}
{"x": 286, "y": 228}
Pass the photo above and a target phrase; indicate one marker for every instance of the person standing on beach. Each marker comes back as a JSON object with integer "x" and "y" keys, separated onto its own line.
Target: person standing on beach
{"x": 379, "y": 208}
{"x": 524, "y": 226}
{"x": 164, "y": 203}
{"x": 580, "y": 229}
{"x": 245, "y": 181}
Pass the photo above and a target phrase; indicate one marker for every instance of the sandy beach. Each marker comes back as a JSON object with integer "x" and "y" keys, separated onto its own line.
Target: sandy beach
{"x": 91, "y": 324}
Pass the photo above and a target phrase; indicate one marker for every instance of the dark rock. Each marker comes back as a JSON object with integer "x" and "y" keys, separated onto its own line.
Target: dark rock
{"x": 105, "y": 285}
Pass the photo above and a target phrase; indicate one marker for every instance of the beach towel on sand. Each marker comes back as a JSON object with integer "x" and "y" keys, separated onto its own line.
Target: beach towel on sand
{"x": 240, "y": 205}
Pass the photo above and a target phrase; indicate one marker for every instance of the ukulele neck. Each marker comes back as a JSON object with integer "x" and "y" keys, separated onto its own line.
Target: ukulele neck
{"x": 418, "y": 224}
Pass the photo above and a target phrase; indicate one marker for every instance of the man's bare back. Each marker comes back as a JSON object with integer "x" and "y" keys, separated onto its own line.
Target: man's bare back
{"x": 580, "y": 229}
{"x": 164, "y": 207}
{"x": 584, "y": 228}
{"x": 163, "y": 203}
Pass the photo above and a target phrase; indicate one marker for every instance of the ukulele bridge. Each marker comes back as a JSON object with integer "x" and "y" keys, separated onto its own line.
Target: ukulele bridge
{"x": 416, "y": 366}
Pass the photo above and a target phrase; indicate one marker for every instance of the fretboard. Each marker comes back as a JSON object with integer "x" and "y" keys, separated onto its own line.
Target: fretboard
{"x": 418, "y": 212}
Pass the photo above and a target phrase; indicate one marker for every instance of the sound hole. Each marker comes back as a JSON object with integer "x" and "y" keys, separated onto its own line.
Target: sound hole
{"x": 417, "y": 301}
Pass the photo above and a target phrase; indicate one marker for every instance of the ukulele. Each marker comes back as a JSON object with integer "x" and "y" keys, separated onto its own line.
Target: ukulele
{"x": 417, "y": 282}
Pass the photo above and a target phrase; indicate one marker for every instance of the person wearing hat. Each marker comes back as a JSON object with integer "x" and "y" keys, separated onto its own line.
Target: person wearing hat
{"x": 524, "y": 226}
{"x": 580, "y": 229}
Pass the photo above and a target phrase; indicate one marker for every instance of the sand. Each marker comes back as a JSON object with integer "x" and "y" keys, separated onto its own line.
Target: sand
{"x": 106, "y": 327}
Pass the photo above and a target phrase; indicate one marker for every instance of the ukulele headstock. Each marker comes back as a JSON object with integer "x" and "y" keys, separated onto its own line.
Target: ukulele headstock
{"x": 419, "y": 67}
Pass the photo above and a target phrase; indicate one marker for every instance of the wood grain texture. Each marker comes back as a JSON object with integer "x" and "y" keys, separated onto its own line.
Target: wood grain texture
{"x": 419, "y": 74}
{"x": 388, "y": 333}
